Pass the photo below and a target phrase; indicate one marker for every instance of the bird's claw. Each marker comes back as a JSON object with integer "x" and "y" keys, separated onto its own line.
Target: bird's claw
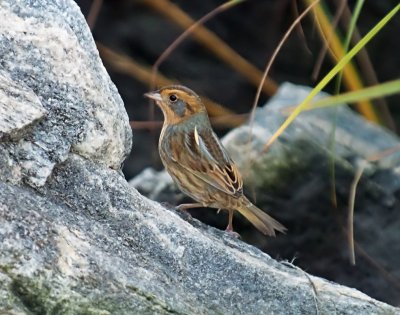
{"x": 231, "y": 232}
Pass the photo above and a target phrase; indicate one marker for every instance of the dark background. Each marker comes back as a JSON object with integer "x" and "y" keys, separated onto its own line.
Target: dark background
{"x": 253, "y": 29}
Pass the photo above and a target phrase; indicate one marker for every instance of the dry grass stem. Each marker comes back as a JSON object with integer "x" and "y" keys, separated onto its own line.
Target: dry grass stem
{"x": 276, "y": 51}
{"x": 314, "y": 288}
{"x": 94, "y": 13}
{"x": 324, "y": 49}
{"x": 126, "y": 65}
{"x": 208, "y": 39}
{"x": 369, "y": 74}
{"x": 218, "y": 122}
{"x": 350, "y": 215}
{"x": 350, "y": 75}
{"x": 383, "y": 154}
{"x": 275, "y": 54}
{"x": 299, "y": 29}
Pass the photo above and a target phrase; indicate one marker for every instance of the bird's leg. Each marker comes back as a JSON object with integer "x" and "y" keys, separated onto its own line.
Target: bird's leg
{"x": 229, "y": 228}
{"x": 186, "y": 206}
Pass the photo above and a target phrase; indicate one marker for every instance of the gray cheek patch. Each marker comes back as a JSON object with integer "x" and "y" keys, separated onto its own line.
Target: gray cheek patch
{"x": 178, "y": 107}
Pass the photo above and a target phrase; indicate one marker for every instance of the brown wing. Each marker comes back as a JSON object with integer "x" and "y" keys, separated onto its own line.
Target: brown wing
{"x": 208, "y": 160}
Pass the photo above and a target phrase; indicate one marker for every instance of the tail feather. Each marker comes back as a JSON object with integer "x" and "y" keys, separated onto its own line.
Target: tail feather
{"x": 262, "y": 221}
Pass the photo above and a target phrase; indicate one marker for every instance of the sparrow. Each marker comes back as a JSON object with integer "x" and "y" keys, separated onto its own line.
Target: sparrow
{"x": 197, "y": 161}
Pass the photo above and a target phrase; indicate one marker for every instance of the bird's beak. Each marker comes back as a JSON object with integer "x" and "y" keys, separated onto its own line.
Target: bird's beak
{"x": 154, "y": 96}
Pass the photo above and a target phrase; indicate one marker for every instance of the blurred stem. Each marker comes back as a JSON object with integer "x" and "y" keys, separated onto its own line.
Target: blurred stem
{"x": 126, "y": 65}
{"x": 332, "y": 138}
{"x": 328, "y": 38}
{"x": 266, "y": 71}
{"x": 94, "y": 13}
{"x": 218, "y": 122}
{"x": 351, "y": 77}
{"x": 300, "y": 29}
{"x": 332, "y": 157}
{"x": 332, "y": 73}
{"x": 275, "y": 54}
{"x": 350, "y": 215}
{"x": 368, "y": 71}
{"x": 207, "y": 38}
{"x": 383, "y": 154}
{"x": 348, "y": 38}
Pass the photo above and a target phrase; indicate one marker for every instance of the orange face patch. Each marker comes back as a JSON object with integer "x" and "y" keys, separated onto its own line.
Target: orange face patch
{"x": 179, "y": 104}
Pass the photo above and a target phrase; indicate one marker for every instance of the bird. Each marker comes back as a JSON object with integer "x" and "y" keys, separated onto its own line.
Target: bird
{"x": 197, "y": 161}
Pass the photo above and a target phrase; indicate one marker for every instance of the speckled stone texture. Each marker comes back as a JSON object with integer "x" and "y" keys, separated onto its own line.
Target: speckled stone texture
{"x": 20, "y": 108}
{"x": 75, "y": 237}
{"x": 48, "y": 54}
{"x": 91, "y": 243}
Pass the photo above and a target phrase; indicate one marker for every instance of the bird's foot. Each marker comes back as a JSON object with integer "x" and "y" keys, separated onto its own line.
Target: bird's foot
{"x": 229, "y": 229}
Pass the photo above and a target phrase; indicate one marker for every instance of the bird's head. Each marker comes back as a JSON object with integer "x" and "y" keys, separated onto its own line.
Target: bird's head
{"x": 177, "y": 103}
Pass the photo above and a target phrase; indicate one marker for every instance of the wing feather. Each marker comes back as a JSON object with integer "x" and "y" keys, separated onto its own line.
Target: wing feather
{"x": 209, "y": 161}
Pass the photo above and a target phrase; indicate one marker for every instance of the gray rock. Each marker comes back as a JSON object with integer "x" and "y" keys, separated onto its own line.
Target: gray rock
{"x": 26, "y": 109}
{"x": 39, "y": 41}
{"x": 152, "y": 183}
{"x": 97, "y": 246}
{"x": 76, "y": 238}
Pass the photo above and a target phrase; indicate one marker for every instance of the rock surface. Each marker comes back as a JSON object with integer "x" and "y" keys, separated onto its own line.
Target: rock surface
{"x": 97, "y": 246}
{"x": 75, "y": 237}
{"x": 85, "y": 114}
{"x": 26, "y": 109}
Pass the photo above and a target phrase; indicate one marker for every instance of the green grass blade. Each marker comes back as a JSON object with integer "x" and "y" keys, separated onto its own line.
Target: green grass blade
{"x": 339, "y": 66}
{"x": 376, "y": 91}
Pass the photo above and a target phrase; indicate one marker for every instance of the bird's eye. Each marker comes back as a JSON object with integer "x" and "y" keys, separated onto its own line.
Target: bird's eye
{"x": 173, "y": 98}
